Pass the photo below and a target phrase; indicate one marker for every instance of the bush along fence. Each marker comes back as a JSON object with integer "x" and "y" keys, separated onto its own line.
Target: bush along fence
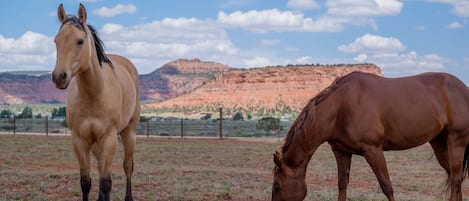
{"x": 13, "y": 125}
{"x": 158, "y": 126}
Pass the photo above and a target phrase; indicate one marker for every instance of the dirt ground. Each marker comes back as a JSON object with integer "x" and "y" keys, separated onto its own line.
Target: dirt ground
{"x": 44, "y": 168}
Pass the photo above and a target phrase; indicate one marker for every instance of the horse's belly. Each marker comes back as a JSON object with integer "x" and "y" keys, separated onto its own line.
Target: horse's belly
{"x": 408, "y": 136}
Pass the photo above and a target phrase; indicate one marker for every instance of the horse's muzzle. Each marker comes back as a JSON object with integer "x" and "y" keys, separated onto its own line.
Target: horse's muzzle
{"x": 60, "y": 79}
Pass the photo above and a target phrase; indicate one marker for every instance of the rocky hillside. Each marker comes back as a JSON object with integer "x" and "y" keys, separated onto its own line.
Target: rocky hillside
{"x": 17, "y": 88}
{"x": 178, "y": 77}
{"x": 198, "y": 85}
{"x": 170, "y": 80}
{"x": 263, "y": 90}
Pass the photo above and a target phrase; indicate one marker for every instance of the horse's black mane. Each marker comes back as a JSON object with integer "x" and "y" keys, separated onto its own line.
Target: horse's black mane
{"x": 308, "y": 113}
{"x": 98, "y": 43}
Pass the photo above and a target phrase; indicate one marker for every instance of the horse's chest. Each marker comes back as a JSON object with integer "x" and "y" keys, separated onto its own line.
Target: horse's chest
{"x": 93, "y": 121}
{"x": 91, "y": 127}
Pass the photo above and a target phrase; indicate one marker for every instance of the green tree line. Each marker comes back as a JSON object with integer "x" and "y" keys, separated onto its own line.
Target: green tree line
{"x": 27, "y": 113}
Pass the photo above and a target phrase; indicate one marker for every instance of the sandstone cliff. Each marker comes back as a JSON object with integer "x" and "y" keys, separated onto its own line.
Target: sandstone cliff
{"x": 170, "y": 80}
{"x": 269, "y": 89}
{"x": 203, "y": 86}
{"x": 178, "y": 77}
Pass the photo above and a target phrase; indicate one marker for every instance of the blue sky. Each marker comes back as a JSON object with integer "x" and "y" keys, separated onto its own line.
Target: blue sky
{"x": 402, "y": 37}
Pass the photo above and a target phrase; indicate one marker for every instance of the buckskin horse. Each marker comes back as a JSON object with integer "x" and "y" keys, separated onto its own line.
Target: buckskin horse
{"x": 102, "y": 100}
{"x": 365, "y": 114}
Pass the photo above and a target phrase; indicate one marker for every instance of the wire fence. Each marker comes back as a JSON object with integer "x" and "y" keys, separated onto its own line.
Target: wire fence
{"x": 171, "y": 128}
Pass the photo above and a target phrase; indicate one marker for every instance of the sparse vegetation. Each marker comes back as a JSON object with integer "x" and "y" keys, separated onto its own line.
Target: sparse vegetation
{"x": 44, "y": 168}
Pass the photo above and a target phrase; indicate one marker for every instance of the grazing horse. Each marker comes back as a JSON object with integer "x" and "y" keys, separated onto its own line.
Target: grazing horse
{"x": 102, "y": 102}
{"x": 365, "y": 114}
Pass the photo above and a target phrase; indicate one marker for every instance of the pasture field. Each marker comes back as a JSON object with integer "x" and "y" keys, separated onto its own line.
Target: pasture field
{"x": 44, "y": 168}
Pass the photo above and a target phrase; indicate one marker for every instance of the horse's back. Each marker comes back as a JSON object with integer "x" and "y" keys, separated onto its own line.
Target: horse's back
{"x": 126, "y": 64}
{"x": 406, "y": 111}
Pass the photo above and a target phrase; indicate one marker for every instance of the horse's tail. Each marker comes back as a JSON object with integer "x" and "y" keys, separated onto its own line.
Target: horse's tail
{"x": 465, "y": 168}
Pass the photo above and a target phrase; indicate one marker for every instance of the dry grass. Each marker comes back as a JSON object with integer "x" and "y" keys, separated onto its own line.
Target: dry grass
{"x": 44, "y": 168}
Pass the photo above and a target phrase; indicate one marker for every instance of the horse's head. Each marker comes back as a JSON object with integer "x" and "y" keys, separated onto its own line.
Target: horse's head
{"x": 289, "y": 184}
{"x": 74, "y": 47}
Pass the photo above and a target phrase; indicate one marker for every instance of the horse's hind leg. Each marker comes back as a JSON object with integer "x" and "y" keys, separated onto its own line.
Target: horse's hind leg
{"x": 375, "y": 158}
{"x": 440, "y": 149}
{"x": 343, "y": 167}
{"x": 106, "y": 149}
{"x": 456, "y": 147}
{"x": 128, "y": 142}
{"x": 81, "y": 149}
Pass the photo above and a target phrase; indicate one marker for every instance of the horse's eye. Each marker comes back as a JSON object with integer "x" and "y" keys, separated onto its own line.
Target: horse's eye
{"x": 80, "y": 42}
{"x": 276, "y": 187}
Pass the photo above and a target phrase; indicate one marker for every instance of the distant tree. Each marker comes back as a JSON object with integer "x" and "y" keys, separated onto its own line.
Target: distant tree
{"x": 269, "y": 124}
{"x": 6, "y": 113}
{"x": 60, "y": 112}
{"x": 144, "y": 119}
{"x": 238, "y": 116}
{"x": 206, "y": 116}
{"x": 38, "y": 116}
{"x": 26, "y": 113}
{"x": 249, "y": 116}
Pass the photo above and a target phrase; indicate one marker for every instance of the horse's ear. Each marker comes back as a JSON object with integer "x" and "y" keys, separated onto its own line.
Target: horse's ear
{"x": 82, "y": 14}
{"x": 61, "y": 14}
{"x": 277, "y": 160}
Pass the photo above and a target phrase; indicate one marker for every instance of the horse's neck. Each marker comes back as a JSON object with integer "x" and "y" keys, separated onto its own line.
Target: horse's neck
{"x": 301, "y": 150}
{"x": 90, "y": 82}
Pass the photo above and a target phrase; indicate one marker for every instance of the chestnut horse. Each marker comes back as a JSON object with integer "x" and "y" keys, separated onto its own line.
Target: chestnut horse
{"x": 365, "y": 114}
{"x": 102, "y": 102}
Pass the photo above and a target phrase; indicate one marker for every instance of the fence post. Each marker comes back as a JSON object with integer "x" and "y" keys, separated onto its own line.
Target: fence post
{"x": 47, "y": 126}
{"x": 148, "y": 129}
{"x": 220, "y": 129}
{"x": 14, "y": 125}
{"x": 182, "y": 128}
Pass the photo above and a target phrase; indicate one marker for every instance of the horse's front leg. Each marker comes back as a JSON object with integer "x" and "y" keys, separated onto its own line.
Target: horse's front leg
{"x": 81, "y": 149}
{"x": 128, "y": 141}
{"x": 343, "y": 168}
{"x": 105, "y": 150}
{"x": 375, "y": 158}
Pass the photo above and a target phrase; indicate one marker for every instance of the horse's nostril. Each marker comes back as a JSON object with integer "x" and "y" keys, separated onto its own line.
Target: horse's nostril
{"x": 60, "y": 77}
{"x": 60, "y": 80}
{"x": 63, "y": 76}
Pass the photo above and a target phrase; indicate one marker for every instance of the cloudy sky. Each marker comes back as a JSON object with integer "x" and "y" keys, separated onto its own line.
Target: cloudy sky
{"x": 402, "y": 37}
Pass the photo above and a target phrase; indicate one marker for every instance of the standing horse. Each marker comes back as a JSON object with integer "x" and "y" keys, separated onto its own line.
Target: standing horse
{"x": 366, "y": 114}
{"x": 102, "y": 102}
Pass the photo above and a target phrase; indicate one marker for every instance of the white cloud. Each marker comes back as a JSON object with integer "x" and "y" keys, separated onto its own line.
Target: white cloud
{"x": 385, "y": 52}
{"x": 150, "y": 44}
{"x": 304, "y": 60}
{"x": 455, "y": 25}
{"x": 460, "y": 7}
{"x": 111, "y": 28}
{"x": 262, "y": 21}
{"x": 278, "y": 21}
{"x": 420, "y": 27}
{"x": 373, "y": 43}
{"x": 339, "y": 13}
{"x": 361, "y": 58}
{"x": 116, "y": 10}
{"x": 365, "y": 8}
{"x": 29, "y": 43}
{"x": 407, "y": 64}
{"x": 31, "y": 51}
{"x": 267, "y": 42}
{"x": 302, "y": 4}
{"x": 258, "y": 61}
{"x": 230, "y": 4}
